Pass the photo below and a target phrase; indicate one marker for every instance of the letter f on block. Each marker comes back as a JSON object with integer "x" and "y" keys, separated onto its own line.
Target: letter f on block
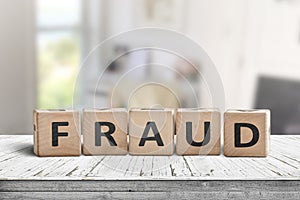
{"x": 55, "y": 132}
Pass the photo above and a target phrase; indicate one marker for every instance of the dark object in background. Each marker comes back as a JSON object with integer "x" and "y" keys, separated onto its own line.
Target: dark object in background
{"x": 282, "y": 97}
{"x": 115, "y": 65}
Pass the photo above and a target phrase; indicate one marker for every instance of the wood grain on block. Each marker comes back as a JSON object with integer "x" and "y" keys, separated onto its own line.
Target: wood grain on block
{"x": 246, "y": 133}
{"x": 105, "y": 131}
{"x": 198, "y": 132}
{"x": 151, "y": 131}
{"x": 57, "y": 133}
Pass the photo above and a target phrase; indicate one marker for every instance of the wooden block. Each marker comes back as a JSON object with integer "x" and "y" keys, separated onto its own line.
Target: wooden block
{"x": 198, "y": 132}
{"x": 151, "y": 132}
{"x": 246, "y": 133}
{"x": 57, "y": 133}
{"x": 105, "y": 131}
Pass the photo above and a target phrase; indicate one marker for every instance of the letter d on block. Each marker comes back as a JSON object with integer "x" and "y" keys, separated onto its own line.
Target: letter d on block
{"x": 237, "y": 134}
{"x": 246, "y": 133}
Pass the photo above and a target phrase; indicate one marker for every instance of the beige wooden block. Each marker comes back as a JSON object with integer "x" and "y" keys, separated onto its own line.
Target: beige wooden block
{"x": 57, "y": 133}
{"x": 246, "y": 133}
{"x": 191, "y": 127}
{"x": 151, "y": 131}
{"x": 105, "y": 131}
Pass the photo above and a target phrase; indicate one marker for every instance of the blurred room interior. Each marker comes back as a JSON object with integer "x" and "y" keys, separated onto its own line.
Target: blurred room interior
{"x": 254, "y": 44}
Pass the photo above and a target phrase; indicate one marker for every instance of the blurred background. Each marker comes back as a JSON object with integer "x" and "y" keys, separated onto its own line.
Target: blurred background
{"x": 254, "y": 44}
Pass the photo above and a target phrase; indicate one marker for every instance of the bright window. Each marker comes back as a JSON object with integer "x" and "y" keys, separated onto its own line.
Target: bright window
{"x": 58, "y": 51}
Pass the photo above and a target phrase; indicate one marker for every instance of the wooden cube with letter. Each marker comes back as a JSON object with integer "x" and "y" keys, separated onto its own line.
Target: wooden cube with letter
{"x": 57, "y": 133}
{"x": 246, "y": 133}
{"x": 198, "y": 132}
{"x": 105, "y": 131}
{"x": 151, "y": 131}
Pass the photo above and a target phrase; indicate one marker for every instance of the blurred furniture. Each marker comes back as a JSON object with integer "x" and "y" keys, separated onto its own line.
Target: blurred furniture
{"x": 282, "y": 96}
{"x": 23, "y": 175}
{"x": 271, "y": 46}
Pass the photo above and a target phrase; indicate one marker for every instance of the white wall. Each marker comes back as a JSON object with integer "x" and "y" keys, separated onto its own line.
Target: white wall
{"x": 17, "y": 67}
{"x": 218, "y": 26}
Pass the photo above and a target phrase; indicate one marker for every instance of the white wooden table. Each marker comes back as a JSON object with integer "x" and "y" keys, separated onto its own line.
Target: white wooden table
{"x": 22, "y": 174}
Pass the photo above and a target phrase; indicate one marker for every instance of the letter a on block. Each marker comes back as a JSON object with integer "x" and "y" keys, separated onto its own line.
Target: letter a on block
{"x": 151, "y": 132}
{"x": 156, "y": 137}
{"x": 57, "y": 133}
{"x": 246, "y": 133}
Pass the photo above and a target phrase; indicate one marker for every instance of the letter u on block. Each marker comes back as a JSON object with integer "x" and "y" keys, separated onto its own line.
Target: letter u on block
{"x": 198, "y": 132}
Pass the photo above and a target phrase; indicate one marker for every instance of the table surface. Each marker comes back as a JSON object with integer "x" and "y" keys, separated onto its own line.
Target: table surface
{"x": 18, "y": 162}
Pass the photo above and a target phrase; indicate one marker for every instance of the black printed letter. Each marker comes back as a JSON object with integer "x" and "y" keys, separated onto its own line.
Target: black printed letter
{"x": 156, "y": 137}
{"x": 99, "y": 133}
{"x": 189, "y": 137}
{"x": 55, "y": 132}
{"x": 237, "y": 135}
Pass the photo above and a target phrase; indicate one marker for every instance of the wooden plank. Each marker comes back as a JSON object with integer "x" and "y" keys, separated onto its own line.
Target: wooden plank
{"x": 149, "y": 186}
{"x": 19, "y": 163}
{"x": 153, "y": 195}
{"x": 150, "y": 189}
{"x": 161, "y": 167}
{"x": 180, "y": 167}
{"x": 147, "y": 167}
